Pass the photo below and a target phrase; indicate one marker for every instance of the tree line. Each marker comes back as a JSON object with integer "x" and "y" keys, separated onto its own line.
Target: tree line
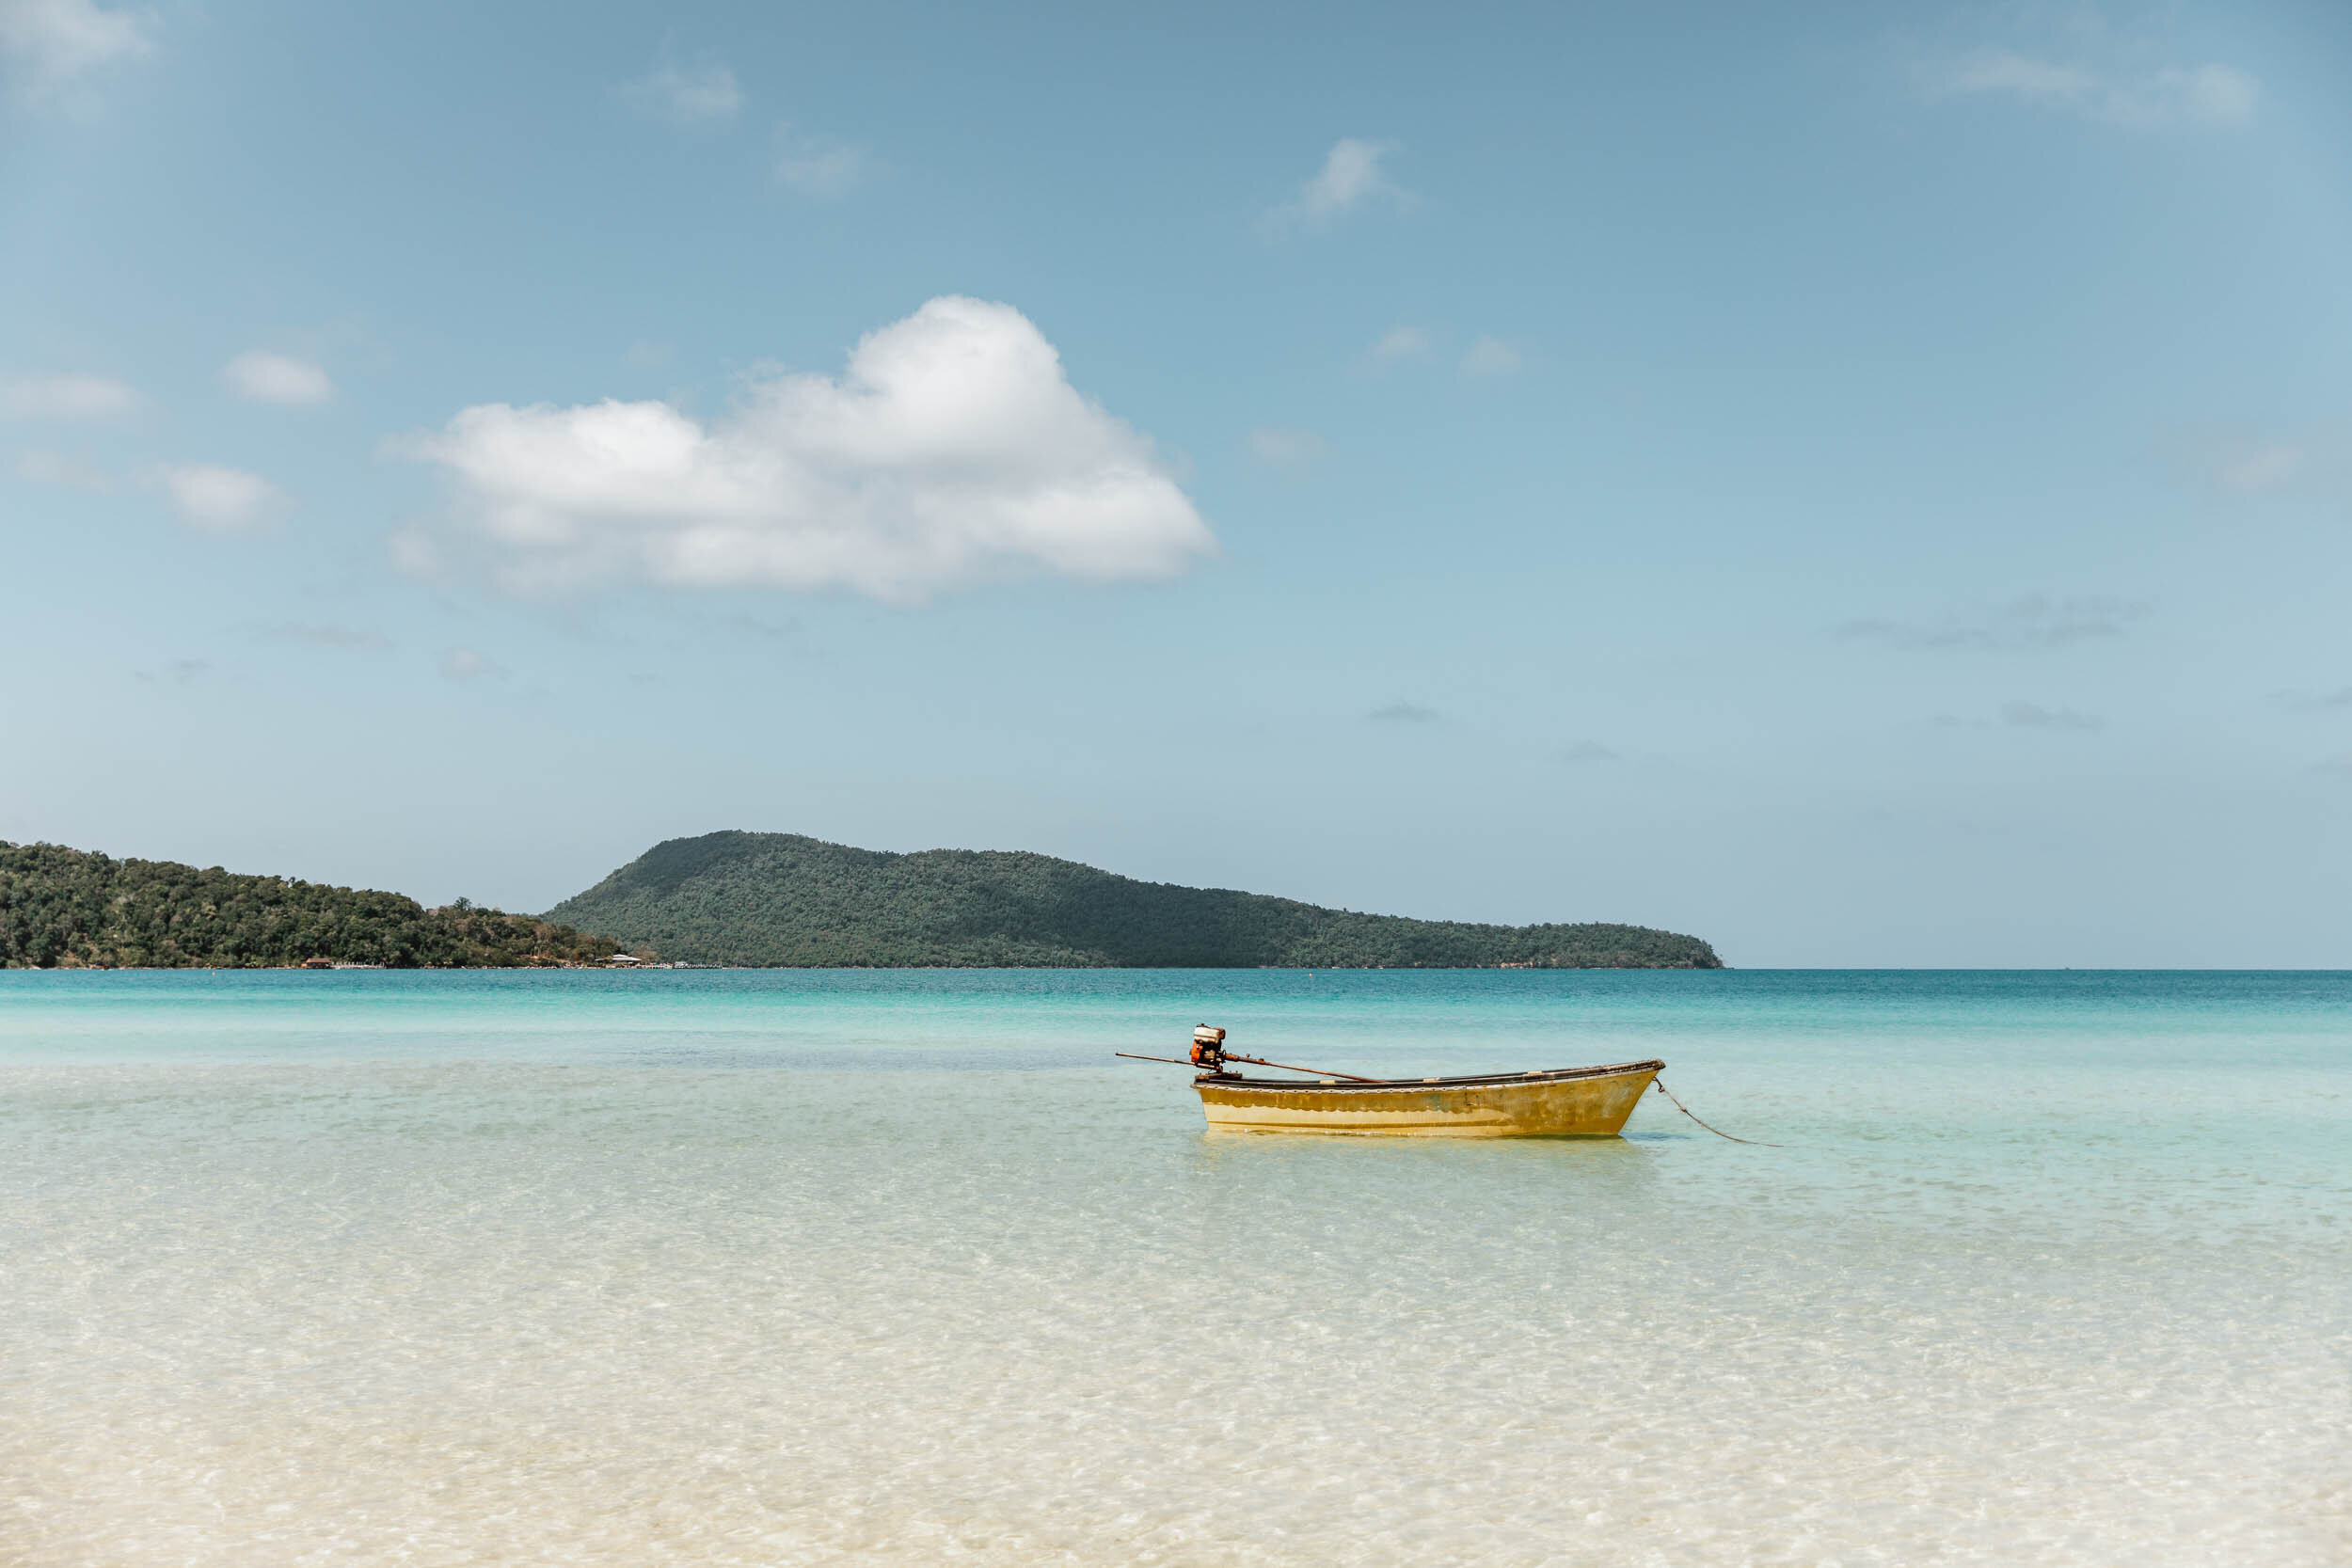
{"x": 63, "y": 908}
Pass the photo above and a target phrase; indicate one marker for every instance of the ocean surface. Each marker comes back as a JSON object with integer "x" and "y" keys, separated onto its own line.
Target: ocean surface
{"x": 903, "y": 1267}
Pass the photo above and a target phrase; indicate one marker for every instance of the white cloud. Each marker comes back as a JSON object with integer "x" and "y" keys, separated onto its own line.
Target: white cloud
{"x": 47, "y": 43}
{"x": 2265, "y": 467}
{"x": 1401, "y": 343}
{"x": 67, "y": 397}
{"x": 2204, "y": 95}
{"x": 266, "y": 377}
{"x": 951, "y": 449}
{"x": 218, "y": 499}
{"x": 1351, "y": 177}
{"x": 465, "y": 664}
{"x": 2244, "y": 462}
{"x": 1286, "y": 448}
{"x": 1490, "y": 356}
{"x": 2235, "y": 464}
{"x": 817, "y": 165}
{"x": 1350, "y": 174}
{"x": 687, "y": 95}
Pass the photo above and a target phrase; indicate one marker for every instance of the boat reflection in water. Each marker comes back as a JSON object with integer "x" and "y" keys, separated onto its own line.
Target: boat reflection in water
{"x": 1557, "y": 1102}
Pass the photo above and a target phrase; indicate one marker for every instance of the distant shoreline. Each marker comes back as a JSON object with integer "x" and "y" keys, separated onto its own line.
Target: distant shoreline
{"x": 787, "y": 900}
{"x": 759, "y": 901}
{"x": 667, "y": 967}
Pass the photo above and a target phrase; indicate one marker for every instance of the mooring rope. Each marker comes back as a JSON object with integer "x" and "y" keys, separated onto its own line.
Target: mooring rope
{"x": 1661, "y": 1087}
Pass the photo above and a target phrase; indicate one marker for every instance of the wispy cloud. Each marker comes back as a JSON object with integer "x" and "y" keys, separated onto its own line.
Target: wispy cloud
{"x": 179, "y": 671}
{"x": 1579, "y": 754}
{"x": 1287, "y": 449}
{"x": 2214, "y": 96}
{"x": 1490, "y": 356}
{"x": 1350, "y": 179}
{"x": 67, "y": 397}
{"x": 467, "y": 664}
{"x": 218, "y": 499}
{"x": 46, "y": 45}
{"x": 2240, "y": 461}
{"x": 2033, "y": 716}
{"x": 259, "y": 376}
{"x": 2033, "y": 622}
{"x": 2339, "y": 765}
{"x": 816, "y": 164}
{"x": 1401, "y": 343}
{"x": 1405, "y": 713}
{"x": 2265, "y": 467}
{"x": 688, "y": 95}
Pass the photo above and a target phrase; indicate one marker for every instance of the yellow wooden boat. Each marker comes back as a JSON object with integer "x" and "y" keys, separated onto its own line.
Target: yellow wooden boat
{"x": 1550, "y": 1102}
{"x": 1559, "y": 1102}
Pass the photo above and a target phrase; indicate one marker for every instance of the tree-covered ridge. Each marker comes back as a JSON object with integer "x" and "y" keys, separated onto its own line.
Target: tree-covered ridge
{"x": 784, "y": 899}
{"x": 67, "y": 909}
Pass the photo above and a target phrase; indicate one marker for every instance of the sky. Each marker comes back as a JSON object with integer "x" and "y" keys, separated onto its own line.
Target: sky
{"x": 1867, "y": 486}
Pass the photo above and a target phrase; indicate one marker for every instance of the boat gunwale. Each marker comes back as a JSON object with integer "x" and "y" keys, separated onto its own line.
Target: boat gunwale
{"x": 1425, "y": 1086}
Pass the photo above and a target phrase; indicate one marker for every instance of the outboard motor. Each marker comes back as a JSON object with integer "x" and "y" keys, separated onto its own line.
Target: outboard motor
{"x": 1208, "y": 1048}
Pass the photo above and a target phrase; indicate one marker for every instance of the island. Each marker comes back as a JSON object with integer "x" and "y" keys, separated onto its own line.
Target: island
{"x": 786, "y": 900}
{"x": 71, "y": 908}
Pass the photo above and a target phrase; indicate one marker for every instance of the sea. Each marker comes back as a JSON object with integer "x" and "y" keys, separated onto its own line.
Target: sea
{"x": 884, "y": 1267}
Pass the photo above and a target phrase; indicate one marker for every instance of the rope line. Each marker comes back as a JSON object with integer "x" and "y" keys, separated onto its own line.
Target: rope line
{"x": 1759, "y": 1143}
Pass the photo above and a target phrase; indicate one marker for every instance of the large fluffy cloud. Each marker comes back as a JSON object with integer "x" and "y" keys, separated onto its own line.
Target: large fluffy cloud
{"x": 952, "y": 449}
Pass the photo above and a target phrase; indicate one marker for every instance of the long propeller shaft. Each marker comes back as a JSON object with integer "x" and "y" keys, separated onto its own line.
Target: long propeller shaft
{"x": 1257, "y": 1061}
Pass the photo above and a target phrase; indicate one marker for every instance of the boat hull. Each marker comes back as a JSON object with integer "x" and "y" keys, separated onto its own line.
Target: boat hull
{"x": 1568, "y": 1102}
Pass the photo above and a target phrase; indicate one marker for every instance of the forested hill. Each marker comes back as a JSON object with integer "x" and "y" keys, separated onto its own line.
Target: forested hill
{"x": 66, "y": 908}
{"x": 783, "y": 900}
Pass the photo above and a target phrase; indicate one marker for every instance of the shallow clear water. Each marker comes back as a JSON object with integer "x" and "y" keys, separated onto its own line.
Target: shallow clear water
{"x": 887, "y": 1267}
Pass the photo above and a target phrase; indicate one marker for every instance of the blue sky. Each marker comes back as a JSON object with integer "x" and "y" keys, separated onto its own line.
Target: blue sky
{"x": 1869, "y": 486}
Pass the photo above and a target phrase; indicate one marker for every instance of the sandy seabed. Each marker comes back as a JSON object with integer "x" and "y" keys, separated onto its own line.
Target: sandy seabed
{"x": 502, "y": 1313}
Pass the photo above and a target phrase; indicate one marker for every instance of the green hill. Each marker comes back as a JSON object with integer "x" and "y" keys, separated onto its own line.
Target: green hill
{"x": 65, "y": 909}
{"x": 783, "y": 900}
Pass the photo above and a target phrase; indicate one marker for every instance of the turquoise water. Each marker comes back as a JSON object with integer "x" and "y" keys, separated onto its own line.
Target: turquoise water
{"x": 781, "y": 1267}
